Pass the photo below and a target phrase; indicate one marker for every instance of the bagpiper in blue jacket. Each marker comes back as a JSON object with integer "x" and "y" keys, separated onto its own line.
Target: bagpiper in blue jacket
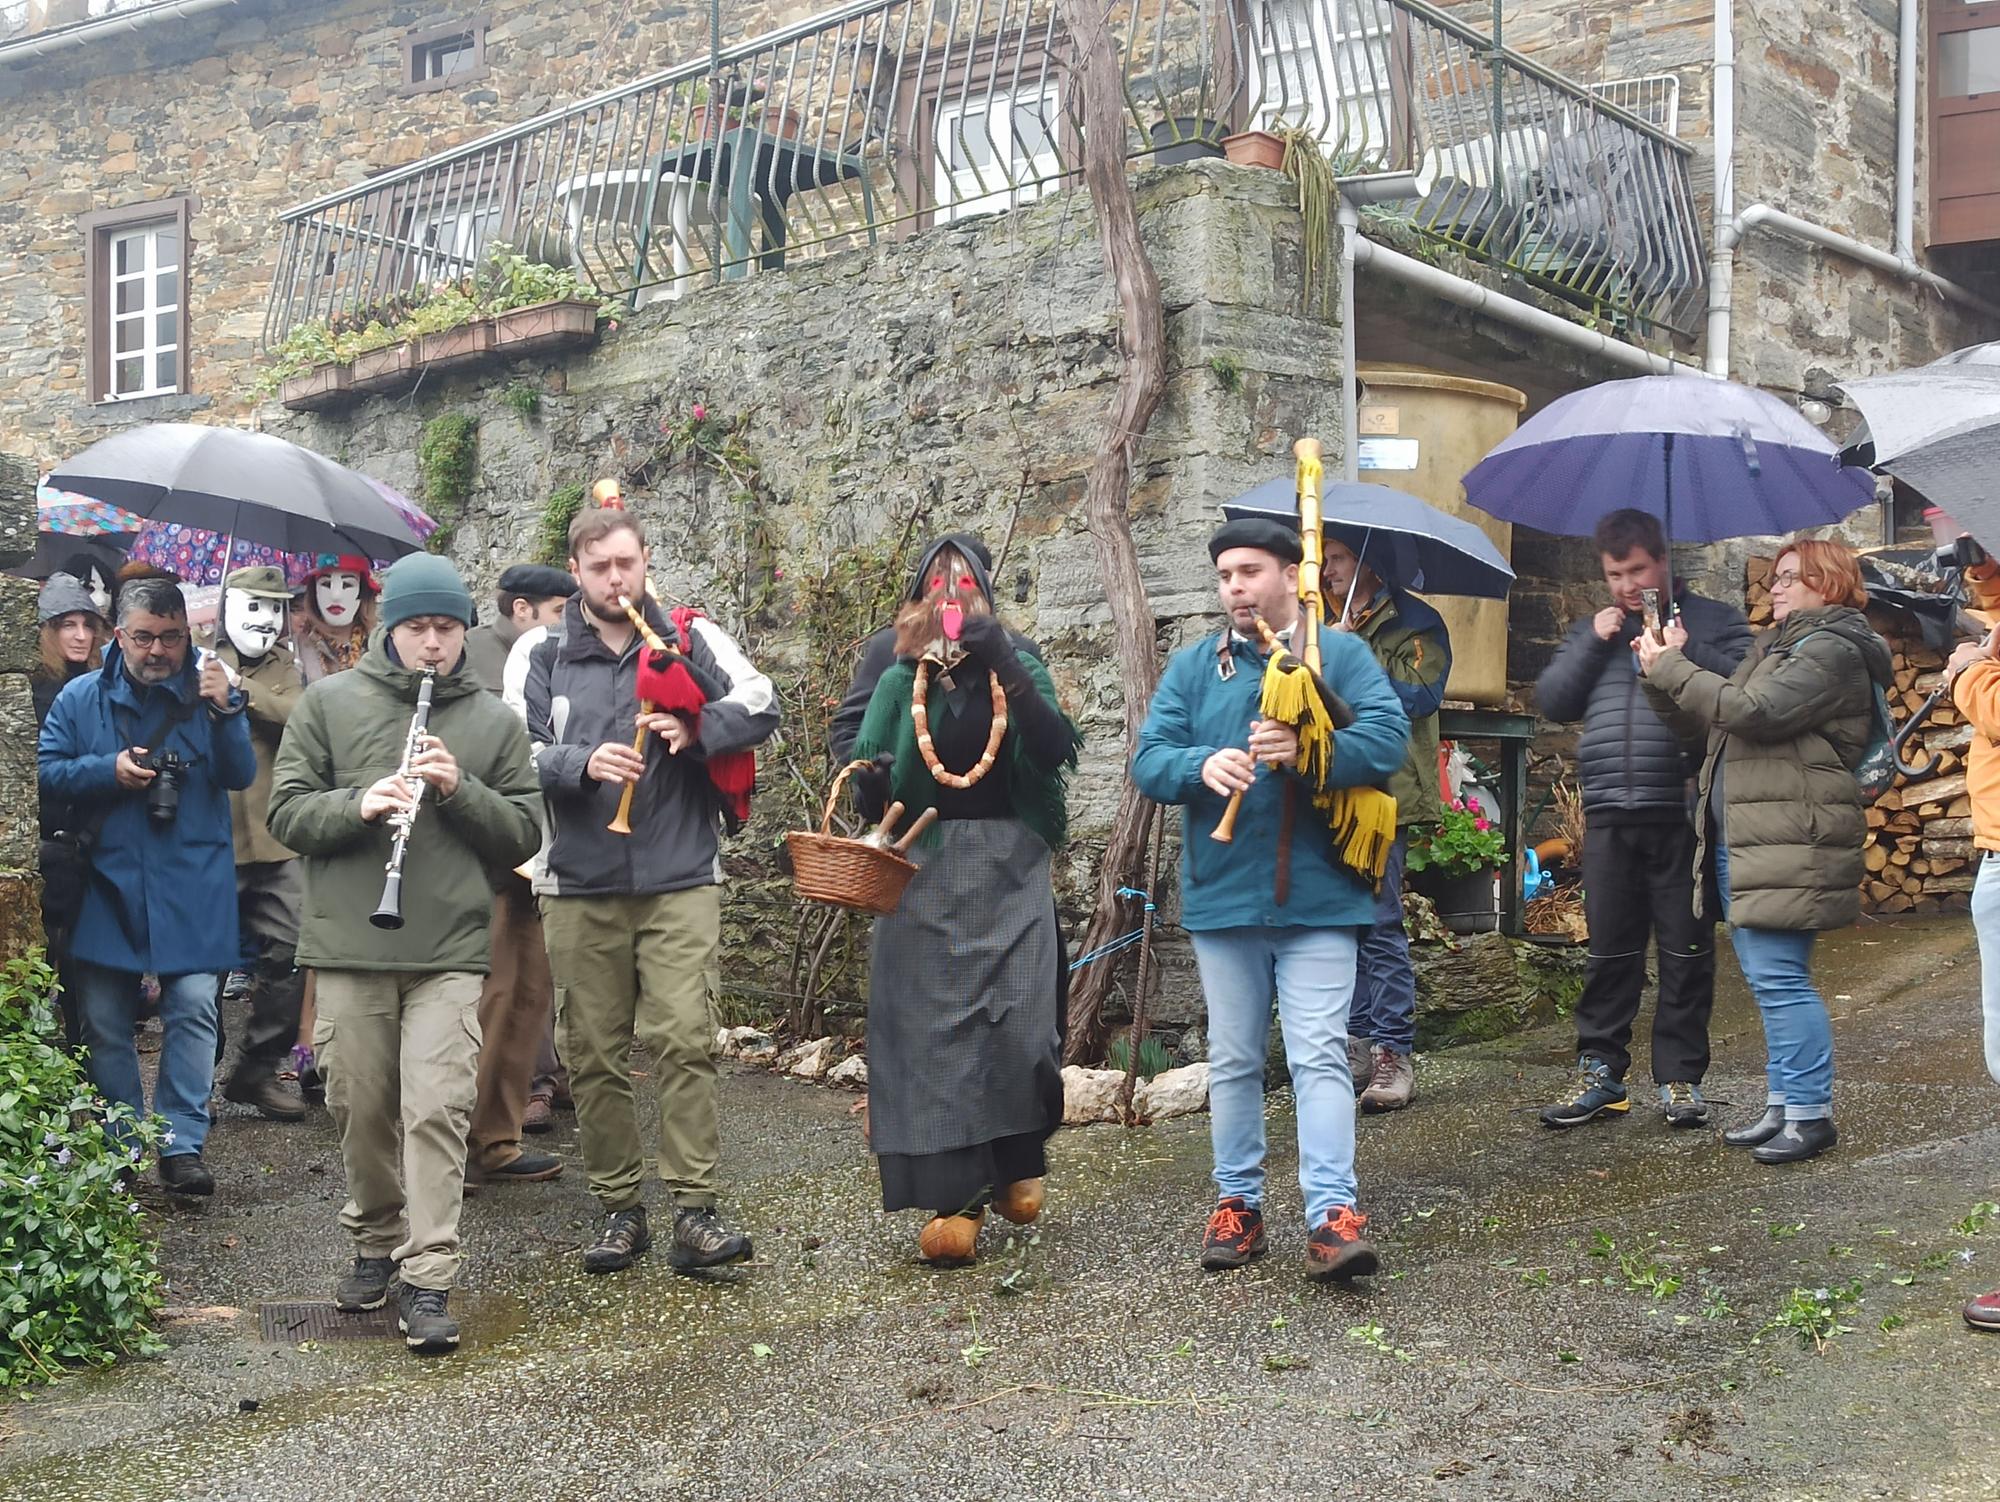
{"x": 1206, "y": 700}
{"x": 161, "y": 896}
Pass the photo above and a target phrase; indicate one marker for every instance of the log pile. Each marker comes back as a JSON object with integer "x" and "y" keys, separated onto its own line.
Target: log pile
{"x": 1919, "y": 857}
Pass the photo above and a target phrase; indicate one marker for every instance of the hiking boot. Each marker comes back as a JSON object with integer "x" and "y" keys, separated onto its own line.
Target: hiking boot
{"x": 1235, "y": 1235}
{"x": 1336, "y": 1249}
{"x": 621, "y": 1242}
{"x": 1683, "y": 1104}
{"x": 1756, "y": 1133}
{"x": 540, "y": 1116}
{"x": 1020, "y": 1201}
{"x": 1983, "y": 1312}
{"x": 951, "y": 1240}
{"x": 420, "y": 1315}
{"x": 1360, "y": 1062}
{"x": 1392, "y": 1084}
{"x": 523, "y": 1168}
{"x": 1797, "y": 1141}
{"x": 266, "y": 1093}
{"x": 702, "y": 1240}
{"x": 185, "y": 1173}
{"x": 1596, "y": 1094}
{"x": 366, "y": 1285}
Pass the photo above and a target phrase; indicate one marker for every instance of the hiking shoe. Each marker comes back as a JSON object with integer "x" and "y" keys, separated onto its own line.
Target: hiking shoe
{"x": 1392, "y": 1083}
{"x": 266, "y": 1093}
{"x": 1235, "y": 1235}
{"x": 185, "y": 1173}
{"x": 1983, "y": 1312}
{"x": 366, "y": 1286}
{"x": 1596, "y": 1094}
{"x": 1336, "y": 1249}
{"x": 420, "y": 1315}
{"x": 621, "y": 1242}
{"x": 702, "y": 1240}
{"x": 523, "y": 1168}
{"x": 1360, "y": 1062}
{"x": 1683, "y": 1104}
{"x": 540, "y": 1116}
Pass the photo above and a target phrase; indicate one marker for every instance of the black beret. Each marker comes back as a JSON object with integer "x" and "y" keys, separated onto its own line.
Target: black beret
{"x": 1267, "y": 533}
{"x": 537, "y": 581}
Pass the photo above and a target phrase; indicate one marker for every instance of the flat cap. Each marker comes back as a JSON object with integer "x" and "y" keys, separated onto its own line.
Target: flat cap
{"x": 537, "y": 581}
{"x": 1266, "y": 533}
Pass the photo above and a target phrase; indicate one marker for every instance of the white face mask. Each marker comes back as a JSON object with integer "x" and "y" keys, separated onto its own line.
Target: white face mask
{"x": 338, "y": 597}
{"x": 99, "y": 592}
{"x": 253, "y": 623}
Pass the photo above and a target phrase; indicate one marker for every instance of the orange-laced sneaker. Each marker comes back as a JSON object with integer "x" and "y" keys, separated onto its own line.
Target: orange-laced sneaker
{"x": 1337, "y": 1249}
{"x": 1235, "y": 1235}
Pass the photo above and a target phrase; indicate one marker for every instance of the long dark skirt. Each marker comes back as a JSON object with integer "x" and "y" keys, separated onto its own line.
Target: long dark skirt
{"x": 965, "y": 1013}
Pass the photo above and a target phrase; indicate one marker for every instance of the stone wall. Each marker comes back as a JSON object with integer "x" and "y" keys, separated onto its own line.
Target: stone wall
{"x": 959, "y": 378}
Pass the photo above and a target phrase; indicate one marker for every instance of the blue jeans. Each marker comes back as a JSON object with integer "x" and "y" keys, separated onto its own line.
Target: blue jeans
{"x": 1311, "y": 972}
{"x": 1798, "y": 1036}
{"x": 109, "y": 1002}
{"x": 1385, "y": 982}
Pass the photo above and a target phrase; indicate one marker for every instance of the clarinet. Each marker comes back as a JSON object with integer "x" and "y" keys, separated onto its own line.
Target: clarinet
{"x": 389, "y": 912}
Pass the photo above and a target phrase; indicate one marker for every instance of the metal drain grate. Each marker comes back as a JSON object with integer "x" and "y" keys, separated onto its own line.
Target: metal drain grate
{"x": 315, "y": 1319}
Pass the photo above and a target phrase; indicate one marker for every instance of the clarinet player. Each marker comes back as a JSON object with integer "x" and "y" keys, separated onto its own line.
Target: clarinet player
{"x": 393, "y": 814}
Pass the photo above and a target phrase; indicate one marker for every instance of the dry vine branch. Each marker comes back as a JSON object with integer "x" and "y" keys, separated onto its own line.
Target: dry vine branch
{"x": 1142, "y": 382}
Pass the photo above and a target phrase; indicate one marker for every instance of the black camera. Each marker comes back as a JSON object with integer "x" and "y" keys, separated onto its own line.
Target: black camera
{"x": 163, "y": 793}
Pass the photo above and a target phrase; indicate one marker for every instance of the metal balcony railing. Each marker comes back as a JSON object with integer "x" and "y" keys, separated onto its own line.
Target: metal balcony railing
{"x": 884, "y": 116}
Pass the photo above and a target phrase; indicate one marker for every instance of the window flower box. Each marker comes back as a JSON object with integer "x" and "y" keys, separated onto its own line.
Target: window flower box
{"x": 323, "y": 386}
{"x": 467, "y": 344}
{"x": 560, "y": 324}
{"x": 1255, "y": 148}
{"x": 384, "y": 369}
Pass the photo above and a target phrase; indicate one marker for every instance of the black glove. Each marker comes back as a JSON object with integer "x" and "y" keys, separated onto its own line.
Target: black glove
{"x": 986, "y": 641}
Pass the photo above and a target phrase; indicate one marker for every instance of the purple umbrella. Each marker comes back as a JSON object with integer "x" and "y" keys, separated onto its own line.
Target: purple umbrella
{"x": 1711, "y": 459}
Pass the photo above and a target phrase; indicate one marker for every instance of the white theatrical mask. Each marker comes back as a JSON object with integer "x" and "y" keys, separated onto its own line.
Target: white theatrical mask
{"x": 99, "y": 591}
{"x": 253, "y": 623}
{"x": 338, "y": 596}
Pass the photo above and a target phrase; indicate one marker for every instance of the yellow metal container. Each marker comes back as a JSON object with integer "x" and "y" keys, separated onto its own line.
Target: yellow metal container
{"x": 1420, "y": 431}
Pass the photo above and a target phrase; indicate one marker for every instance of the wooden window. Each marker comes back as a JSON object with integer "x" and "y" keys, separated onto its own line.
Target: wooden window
{"x": 1964, "y": 73}
{"x": 135, "y": 269}
{"x": 445, "y": 55}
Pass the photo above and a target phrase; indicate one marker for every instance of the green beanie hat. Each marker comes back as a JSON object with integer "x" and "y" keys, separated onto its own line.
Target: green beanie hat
{"x": 424, "y": 584}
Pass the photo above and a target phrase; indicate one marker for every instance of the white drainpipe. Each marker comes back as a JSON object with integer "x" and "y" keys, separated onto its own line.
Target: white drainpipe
{"x": 1732, "y": 228}
{"x": 65, "y": 37}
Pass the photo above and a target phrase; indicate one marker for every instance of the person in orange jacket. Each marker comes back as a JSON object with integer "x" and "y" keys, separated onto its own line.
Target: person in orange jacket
{"x": 1974, "y": 673}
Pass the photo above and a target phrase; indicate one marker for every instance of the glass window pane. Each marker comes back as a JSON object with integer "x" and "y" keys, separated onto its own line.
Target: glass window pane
{"x": 166, "y": 369}
{"x": 166, "y": 328}
{"x": 130, "y": 296}
{"x": 128, "y": 375}
{"x": 167, "y": 245}
{"x": 1968, "y": 62}
{"x": 130, "y": 334}
{"x": 166, "y": 290}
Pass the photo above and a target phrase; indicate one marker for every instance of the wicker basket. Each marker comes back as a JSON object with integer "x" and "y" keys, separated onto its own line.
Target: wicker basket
{"x": 853, "y": 874}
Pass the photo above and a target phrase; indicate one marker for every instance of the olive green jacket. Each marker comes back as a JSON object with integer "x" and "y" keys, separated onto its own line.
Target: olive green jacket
{"x": 348, "y": 732}
{"x": 1409, "y": 639}
{"x": 1783, "y": 734}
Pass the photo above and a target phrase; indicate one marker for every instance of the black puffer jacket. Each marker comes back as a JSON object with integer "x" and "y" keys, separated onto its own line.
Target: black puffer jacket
{"x": 1634, "y": 767}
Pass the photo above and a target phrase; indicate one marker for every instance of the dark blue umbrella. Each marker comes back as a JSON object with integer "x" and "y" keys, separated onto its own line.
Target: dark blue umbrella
{"x": 1711, "y": 459}
{"x": 1406, "y": 541}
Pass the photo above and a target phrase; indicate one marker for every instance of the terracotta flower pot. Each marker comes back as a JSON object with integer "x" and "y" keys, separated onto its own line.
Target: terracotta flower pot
{"x": 545, "y": 325}
{"x": 384, "y": 369}
{"x": 322, "y": 386}
{"x": 465, "y": 345}
{"x": 1255, "y": 148}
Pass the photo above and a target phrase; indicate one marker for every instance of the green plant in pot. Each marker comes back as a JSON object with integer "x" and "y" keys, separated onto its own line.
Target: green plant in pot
{"x": 1452, "y": 862}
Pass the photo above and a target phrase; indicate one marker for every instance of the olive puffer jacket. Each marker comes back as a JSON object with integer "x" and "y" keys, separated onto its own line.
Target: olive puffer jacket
{"x": 1784, "y": 734}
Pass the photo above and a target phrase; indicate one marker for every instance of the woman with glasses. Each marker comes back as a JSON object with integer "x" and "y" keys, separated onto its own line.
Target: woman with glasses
{"x": 1778, "y": 805}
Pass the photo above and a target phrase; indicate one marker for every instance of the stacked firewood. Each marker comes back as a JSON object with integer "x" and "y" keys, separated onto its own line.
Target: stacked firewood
{"x": 1919, "y": 855}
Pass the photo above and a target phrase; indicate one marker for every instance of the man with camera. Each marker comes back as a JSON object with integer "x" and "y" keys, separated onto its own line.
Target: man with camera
{"x": 146, "y": 751}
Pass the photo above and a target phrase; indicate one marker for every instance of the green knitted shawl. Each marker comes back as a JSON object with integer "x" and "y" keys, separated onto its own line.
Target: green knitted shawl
{"x": 1038, "y": 797}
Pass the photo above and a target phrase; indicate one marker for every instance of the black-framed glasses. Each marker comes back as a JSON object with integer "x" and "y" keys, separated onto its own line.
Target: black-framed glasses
{"x": 144, "y": 640}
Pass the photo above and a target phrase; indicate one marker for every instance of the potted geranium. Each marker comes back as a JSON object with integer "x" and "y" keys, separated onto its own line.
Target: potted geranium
{"x": 1456, "y": 862}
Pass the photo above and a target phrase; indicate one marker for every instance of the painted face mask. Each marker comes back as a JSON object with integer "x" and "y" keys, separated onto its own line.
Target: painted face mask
{"x": 251, "y": 622}
{"x": 338, "y": 596}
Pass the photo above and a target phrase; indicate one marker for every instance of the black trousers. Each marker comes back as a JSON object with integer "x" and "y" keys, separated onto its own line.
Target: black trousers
{"x": 1638, "y": 884}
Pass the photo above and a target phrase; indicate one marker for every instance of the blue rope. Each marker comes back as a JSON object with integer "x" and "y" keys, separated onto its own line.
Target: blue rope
{"x": 1123, "y": 941}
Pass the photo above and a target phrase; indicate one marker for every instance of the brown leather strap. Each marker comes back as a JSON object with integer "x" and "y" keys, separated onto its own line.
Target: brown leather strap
{"x": 1281, "y": 885}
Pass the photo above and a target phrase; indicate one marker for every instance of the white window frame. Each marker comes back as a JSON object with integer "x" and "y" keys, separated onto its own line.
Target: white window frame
{"x": 148, "y": 313}
{"x": 1013, "y": 174}
{"x": 1351, "y": 39}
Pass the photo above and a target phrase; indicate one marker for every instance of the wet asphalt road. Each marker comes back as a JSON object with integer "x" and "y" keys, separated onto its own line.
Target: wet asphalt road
{"x": 1580, "y": 1314}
